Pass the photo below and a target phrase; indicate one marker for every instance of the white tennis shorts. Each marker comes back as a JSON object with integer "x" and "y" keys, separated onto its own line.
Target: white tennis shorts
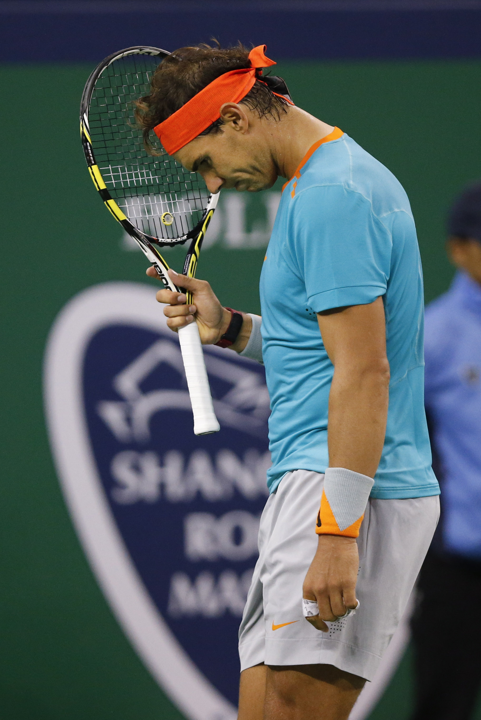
{"x": 393, "y": 541}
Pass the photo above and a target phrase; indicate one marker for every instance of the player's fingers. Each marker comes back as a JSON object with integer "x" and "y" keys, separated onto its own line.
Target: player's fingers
{"x": 349, "y": 598}
{"x": 179, "y": 322}
{"x": 311, "y": 610}
{"x": 191, "y": 284}
{"x": 152, "y": 272}
{"x": 167, "y": 297}
{"x": 172, "y": 311}
{"x": 310, "y": 606}
{"x": 337, "y": 603}
{"x": 325, "y": 609}
{"x": 318, "y": 623}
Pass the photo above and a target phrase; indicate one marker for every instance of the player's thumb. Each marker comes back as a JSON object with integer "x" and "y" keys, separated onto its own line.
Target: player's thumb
{"x": 183, "y": 281}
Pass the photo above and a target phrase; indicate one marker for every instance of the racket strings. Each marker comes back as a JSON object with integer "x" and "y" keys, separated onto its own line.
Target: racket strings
{"x": 157, "y": 194}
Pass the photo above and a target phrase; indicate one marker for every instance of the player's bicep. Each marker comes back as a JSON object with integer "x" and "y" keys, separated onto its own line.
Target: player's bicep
{"x": 355, "y": 336}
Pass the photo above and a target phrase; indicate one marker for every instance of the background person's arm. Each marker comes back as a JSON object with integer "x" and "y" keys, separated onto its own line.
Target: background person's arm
{"x": 355, "y": 340}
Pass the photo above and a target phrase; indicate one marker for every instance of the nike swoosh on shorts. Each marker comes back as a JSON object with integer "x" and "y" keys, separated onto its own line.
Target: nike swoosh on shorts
{"x": 276, "y": 627}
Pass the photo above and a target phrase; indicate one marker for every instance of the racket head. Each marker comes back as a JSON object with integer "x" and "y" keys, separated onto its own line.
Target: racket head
{"x": 154, "y": 197}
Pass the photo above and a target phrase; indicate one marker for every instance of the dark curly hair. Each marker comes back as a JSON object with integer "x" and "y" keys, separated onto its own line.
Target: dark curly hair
{"x": 187, "y": 71}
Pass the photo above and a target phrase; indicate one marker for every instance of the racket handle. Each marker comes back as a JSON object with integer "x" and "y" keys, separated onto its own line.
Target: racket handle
{"x": 205, "y": 420}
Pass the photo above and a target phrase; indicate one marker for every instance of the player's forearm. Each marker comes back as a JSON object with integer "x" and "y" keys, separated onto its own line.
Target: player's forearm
{"x": 358, "y": 405}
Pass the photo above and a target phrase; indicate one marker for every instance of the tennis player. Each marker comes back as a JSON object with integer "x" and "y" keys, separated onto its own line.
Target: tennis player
{"x": 353, "y": 500}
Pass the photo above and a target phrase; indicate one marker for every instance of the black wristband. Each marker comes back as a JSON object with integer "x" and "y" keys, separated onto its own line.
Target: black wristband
{"x": 232, "y": 332}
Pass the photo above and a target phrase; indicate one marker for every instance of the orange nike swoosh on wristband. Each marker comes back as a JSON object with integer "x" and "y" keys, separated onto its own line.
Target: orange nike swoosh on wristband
{"x": 276, "y": 627}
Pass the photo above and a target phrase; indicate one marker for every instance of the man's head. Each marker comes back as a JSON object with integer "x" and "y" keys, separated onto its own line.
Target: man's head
{"x": 232, "y": 151}
{"x": 464, "y": 230}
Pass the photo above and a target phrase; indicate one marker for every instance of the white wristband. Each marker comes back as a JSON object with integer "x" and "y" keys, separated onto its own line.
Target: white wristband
{"x": 347, "y": 493}
{"x": 253, "y": 349}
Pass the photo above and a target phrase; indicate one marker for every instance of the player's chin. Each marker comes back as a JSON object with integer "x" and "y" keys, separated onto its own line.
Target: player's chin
{"x": 269, "y": 182}
{"x": 261, "y": 185}
{"x": 256, "y": 184}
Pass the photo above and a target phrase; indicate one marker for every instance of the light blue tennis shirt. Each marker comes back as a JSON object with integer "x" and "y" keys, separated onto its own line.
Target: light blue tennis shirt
{"x": 344, "y": 235}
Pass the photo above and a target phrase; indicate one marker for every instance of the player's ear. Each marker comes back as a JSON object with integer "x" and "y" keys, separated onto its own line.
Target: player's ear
{"x": 234, "y": 115}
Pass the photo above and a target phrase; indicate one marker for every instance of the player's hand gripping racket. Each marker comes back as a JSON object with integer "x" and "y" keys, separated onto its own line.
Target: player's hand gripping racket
{"x": 154, "y": 198}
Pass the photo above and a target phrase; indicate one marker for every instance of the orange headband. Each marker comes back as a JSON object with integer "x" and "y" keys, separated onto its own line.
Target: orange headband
{"x": 204, "y": 108}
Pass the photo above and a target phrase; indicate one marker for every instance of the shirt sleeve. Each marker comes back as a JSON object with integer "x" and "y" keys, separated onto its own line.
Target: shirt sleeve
{"x": 339, "y": 247}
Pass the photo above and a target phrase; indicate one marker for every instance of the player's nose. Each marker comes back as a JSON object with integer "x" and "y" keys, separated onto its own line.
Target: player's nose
{"x": 213, "y": 182}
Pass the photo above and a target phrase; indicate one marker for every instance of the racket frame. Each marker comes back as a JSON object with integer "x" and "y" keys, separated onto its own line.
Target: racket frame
{"x": 205, "y": 421}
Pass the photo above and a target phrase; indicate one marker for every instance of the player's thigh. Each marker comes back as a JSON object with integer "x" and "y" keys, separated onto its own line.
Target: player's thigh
{"x": 252, "y": 693}
{"x": 305, "y": 692}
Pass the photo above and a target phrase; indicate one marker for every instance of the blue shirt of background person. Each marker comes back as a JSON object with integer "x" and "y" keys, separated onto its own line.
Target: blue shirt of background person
{"x": 453, "y": 383}
{"x": 344, "y": 235}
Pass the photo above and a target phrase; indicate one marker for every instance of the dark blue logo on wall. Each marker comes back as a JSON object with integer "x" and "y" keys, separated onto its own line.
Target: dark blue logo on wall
{"x": 187, "y": 507}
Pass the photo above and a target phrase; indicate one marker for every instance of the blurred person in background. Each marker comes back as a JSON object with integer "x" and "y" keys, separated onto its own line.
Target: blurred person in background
{"x": 446, "y": 624}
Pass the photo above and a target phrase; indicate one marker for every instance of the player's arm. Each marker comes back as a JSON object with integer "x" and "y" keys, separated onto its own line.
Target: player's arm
{"x": 355, "y": 340}
{"x": 211, "y": 317}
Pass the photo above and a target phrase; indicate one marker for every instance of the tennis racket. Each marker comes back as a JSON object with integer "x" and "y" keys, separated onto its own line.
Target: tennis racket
{"x": 157, "y": 201}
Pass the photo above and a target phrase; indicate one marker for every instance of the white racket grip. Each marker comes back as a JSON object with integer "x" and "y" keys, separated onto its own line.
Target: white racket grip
{"x": 205, "y": 420}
